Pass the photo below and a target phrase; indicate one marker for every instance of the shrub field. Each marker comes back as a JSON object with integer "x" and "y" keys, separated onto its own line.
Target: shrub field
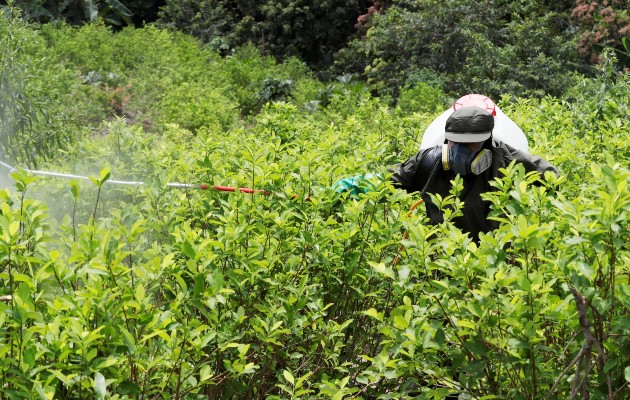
{"x": 151, "y": 291}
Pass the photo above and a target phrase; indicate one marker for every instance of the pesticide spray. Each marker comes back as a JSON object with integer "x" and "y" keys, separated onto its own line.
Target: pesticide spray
{"x": 201, "y": 186}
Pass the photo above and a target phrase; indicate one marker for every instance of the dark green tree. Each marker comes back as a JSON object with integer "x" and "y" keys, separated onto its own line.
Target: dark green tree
{"x": 116, "y": 13}
{"x": 310, "y": 30}
{"x": 144, "y": 11}
{"x": 494, "y": 47}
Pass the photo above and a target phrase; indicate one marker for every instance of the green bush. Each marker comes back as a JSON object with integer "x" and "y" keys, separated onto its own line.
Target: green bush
{"x": 151, "y": 290}
{"x": 192, "y": 106}
{"x": 247, "y": 71}
{"x": 32, "y": 129}
{"x": 133, "y": 70}
{"x": 138, "y": 72}
{"x": 422, "y": 98}
{"x": 493, "y": 48}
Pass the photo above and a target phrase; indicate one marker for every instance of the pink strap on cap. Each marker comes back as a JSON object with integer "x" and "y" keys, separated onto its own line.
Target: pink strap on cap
{"x": 476, "y": 100}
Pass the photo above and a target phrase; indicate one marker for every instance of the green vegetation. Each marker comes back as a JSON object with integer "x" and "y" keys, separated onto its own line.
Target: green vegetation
{"x": 154, "y": 292}
{"x": 521, "y": 48}
{"x": 529, "y": 47}
{"x": 310, "y": 30}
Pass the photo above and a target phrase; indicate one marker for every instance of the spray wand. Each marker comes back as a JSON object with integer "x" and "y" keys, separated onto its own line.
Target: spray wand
{"x": 202, "y": 186}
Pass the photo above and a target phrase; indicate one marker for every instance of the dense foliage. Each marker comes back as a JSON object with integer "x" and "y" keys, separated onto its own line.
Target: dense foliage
{"x": 74, "y": 11}
{"x": 116, "y": 13}
{"x": 312, "y": 31}
{"x": 522, "y": 48}
{"x": 526, "y": 48}
{"x": 148, "y": 76}
{"x": 151, "y": 291}
{"x": 31, "y": 128}
{"x": 606, "y": 24}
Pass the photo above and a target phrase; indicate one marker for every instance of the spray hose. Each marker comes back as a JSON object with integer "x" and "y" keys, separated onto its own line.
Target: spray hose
{"x": 140, "y": 183}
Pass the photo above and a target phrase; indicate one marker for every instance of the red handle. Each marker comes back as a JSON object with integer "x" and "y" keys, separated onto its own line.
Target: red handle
{"x": 203, "y": 186}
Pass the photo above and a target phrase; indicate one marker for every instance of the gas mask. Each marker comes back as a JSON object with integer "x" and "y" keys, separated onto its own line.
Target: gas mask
{"x": 463, "y": 160}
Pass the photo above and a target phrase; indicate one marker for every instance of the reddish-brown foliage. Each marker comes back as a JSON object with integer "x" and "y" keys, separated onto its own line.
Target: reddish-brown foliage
{"x": 605, "y": 23}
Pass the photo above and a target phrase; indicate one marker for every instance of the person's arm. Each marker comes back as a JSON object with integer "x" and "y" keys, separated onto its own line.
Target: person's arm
{"x": 533, "y": 162}
{"x": 412, "y": 174}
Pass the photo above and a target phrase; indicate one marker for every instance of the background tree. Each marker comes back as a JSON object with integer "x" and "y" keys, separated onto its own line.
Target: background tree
{"x": 114, "y": 12}
{"x": 312, "y": 31}
{"x": 144, "y": 11}
{"x": 605, "y": 24}
{"x": 490, "y": 47}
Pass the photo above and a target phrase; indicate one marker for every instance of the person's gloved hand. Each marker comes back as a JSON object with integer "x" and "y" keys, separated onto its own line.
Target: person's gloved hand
{"x": 355, "y": 185}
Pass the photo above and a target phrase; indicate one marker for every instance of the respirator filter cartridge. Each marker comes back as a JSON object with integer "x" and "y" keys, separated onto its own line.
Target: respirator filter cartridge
{"x": 481, "y": 162}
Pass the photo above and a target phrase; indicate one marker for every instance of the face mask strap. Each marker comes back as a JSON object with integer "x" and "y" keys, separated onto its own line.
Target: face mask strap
{"x": 445, "y": 163}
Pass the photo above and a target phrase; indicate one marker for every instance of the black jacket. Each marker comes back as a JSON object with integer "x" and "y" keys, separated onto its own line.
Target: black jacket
{"x": 413, "y": 176}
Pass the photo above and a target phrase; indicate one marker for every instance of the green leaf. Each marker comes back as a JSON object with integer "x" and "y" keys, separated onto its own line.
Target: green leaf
{"x": 524, "y": 283}
{"x": 288, "y": 376}
{"x": 205, "y": 373}
{"x": 105, "y": 174}
{"x": 129, "y": 339}
{"x": 400, "y": 322}
{"x": 74, "y": 189}
{"x": 24, "y": 296}
{"x": 45, "y": 393}
{"x": 372, "y": 312}
{"x": 476, "y": 347}
{"x": 188, "y": 250}
{"x": 623, "y": 322}
{"x": 139, "y": 292}
{"x": 626, "y": 372}
{"x": 100, "y": 386}
{"x": 439, "y": 336}
{"x": 14, "y": 227}
{"x": 106, "y": 363}
{"x": 585, "y": 269}
{"x": 610, "y": 364}
{"x": 381, "y": 268}
{"x": 161, "y": 333}
{"x": 128, "y": 387}
{"x": 29, "y": 357}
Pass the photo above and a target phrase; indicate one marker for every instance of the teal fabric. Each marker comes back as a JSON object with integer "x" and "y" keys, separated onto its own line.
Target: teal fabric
{"x": 355, "y": 185}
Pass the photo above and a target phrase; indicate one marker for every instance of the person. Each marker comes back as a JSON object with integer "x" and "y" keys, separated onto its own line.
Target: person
{"x": 470, "y": 151}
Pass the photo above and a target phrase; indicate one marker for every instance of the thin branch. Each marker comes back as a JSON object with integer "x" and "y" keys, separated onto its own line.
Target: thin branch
{"x": 577, "y": 359}
{"x": 589, "y": 341}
